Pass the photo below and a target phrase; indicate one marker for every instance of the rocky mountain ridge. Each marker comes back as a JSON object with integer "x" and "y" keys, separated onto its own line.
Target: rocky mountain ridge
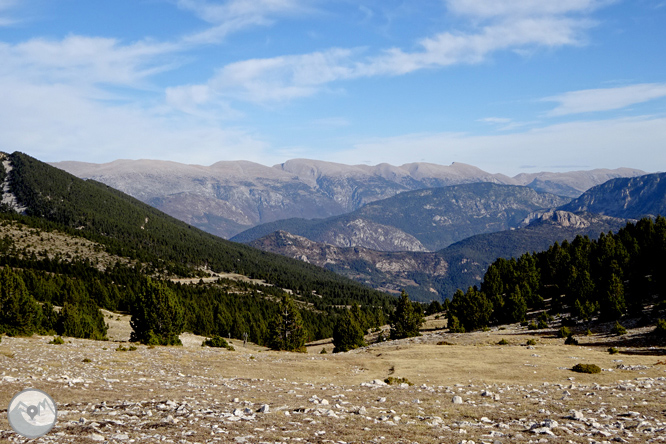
{"x": 229, "y": 197}
{"x": 436, "y": 275}
{"x": 434, "y": 218}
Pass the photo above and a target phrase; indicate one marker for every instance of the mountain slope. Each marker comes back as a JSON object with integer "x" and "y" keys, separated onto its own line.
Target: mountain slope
{"x": 631, "y": 198}
{"x": 421, "y": 220}
{"x": 436, "y": 275}
{"x": 129, "y": 228}
{"x": 229, "y": 197}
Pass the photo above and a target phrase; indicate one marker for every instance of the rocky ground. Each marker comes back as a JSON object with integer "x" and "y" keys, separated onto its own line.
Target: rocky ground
{"x": 467, "y": 389}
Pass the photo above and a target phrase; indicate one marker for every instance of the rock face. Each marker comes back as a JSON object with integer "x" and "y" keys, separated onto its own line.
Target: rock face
{"x": 229, "y": 197}
{"x": 630, "y": 198}
{"x": 386, "y": 271}
{"x": 435, "y": 217}
{"x": 436, "y": 275}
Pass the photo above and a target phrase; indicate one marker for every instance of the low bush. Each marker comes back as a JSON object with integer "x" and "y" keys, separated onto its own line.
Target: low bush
{"x": 397, "y": 381}
{"x": 618, "y": 329}
{"x": 613, "y": 350}
{"x": 57, "y": 340}
{"x": 570, "y": 340}
{"x": 503, "y": 342}
{"x": 323, "y": 351}
{"x": 531, "y": 342}
{"x": 586, "y": 368}
{"x": 218, "y": 342}
{"x": 564, "y": 332}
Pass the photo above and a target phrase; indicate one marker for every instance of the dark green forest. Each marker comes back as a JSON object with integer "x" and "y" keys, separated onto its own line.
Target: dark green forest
{"x": 606, "y": 279}
{"x": 153, "y": 247}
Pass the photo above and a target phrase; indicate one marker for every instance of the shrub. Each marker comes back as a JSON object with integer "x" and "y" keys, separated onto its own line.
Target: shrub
{"x": 586, "y": 368}
{"x": 121, "y": 349}
{"x": 532, "y": 326}
{"x": 618, "y": 329}
{"x": 613, "y": 350}
{"x": 57, "y": 340}
{"x": 132, "y": 348}
{"x": 570, "y": 340}
{"x": 503, "y": 342}
{"x": 564, "y": 332}
{"x": 444, "y": 343}
{"x": 86, "y": 360}
{"x": 323, "y": 351}
{"x": 588, "y": 332}
{"x": 531, "y": 342}
{"x": 395, "y": 381}
{"x": 218, "y": 342}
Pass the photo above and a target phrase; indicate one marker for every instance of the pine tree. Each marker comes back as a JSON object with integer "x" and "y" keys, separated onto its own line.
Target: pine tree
{"x": 347, "y": 333}
{"x": 287, "y": 331}
{"x": 157, "y": 315}
{"x": 406, "y": 320}
{"x": 19, "y": 312}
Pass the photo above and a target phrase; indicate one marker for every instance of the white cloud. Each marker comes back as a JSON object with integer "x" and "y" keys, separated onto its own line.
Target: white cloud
{"x": 501, "y": 120}
{"x": 234, "y": 15}
{"x": 59, "y": 122}
{"x": 521, "y": 8}
{"x": 509, "y": 26}
{"x": 5, "y": 18}
{"x": 602, "y": 144}
{"x": 605, "y": 99}
{"x": 84, "y": 60}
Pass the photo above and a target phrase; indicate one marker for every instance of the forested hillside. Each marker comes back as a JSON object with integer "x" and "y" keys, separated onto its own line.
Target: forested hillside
{"x": 616, "y": 275}
{"x": 147, "y": 245}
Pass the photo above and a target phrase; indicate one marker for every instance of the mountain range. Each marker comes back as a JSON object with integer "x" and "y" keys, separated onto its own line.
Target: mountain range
{"x": 229, "y": 197}
{"x": 421, "y": 220}
{"x": 606, "y": 207}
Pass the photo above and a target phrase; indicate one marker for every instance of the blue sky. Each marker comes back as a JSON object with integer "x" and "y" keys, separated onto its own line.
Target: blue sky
{"x": 507, "y": 85}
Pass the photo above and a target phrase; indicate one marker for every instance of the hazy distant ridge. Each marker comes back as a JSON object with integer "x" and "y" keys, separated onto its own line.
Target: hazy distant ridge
{"x": 231, "y": 196}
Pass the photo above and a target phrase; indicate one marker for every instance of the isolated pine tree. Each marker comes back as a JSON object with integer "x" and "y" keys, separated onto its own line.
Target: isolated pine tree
{"x": 287, "y": 331}
{"x": 348, "y": 333}
{"x": 406, "y": 320}
{"x": 157, "y": 315}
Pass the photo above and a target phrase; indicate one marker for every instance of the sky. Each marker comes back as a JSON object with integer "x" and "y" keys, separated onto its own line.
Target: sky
{"x": 509, "y": 86}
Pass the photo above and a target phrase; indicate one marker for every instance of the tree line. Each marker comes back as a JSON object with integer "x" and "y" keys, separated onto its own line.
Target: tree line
{"x": 607, "y": 278}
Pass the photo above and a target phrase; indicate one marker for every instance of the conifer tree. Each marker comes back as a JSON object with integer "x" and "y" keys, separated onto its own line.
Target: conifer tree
{"x": 157, "y": 315}
{"x": 19, "y": 312}
{"x": 348, "y": 333}
{"x": 406, "y": 320}
{"x": 287, "y": 331}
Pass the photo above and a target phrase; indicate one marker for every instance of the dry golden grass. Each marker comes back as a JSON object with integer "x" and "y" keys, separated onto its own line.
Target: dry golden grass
{"x": 529, "y": 381}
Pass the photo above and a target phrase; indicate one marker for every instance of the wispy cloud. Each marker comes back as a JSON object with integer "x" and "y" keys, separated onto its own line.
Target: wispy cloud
{"x": 7, "y": 19}
{"x": 235, "y": 15}
{"x": 84, "y": 60}
{"x": 605, "y": 145}
{"x": 495, "y": 26}
{"x": 605, "y": 99}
